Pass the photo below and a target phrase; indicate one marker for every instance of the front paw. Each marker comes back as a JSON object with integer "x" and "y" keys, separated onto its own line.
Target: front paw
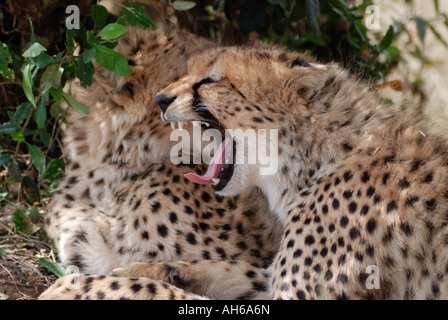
{"x": 153, "y": 270}
{"x": 164, "y": 271}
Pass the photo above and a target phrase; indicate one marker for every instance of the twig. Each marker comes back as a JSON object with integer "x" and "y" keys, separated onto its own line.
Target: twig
{"x": 27, "y": 121}
{"x": 6, "y": 228}
{"x": 14, "y": 281}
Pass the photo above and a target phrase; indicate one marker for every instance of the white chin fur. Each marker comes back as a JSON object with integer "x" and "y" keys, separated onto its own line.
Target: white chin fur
{"x": 237, "y": 184}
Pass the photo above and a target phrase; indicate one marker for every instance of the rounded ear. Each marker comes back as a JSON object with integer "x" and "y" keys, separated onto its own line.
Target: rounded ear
{"x": 130, "y": 45}
{"x": 119, "y": 88}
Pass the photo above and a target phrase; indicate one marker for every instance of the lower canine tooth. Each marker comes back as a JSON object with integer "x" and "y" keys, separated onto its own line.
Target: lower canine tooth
{"x": 173, "y": 125}
{"x": 215, "y": 181}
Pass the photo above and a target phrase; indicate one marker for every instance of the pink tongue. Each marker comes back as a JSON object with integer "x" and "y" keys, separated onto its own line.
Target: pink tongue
{"x": 216, "y": 164}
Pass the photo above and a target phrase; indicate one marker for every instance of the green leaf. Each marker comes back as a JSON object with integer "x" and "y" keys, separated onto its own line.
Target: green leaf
{"x": 393, "y": 51}
{"x": 34, "y": 50}
{"x": 341, "y": 5}
{"x": 121, "y": 20}
{"x": 56, "y": 268}
{"x": 5, "y": 59}
{"x": 56, "y": 110}
{"x": 56, "y": 94}
{"x": 387, "y": 40}
{"x": 85, "y": 72}
{"x": 31, "y": 189}
{"x": 112, "y": 60}
{"x": 437, "y": 6}
{"x": 4, "y": 159}
{"x": 99, "y": 16}
{"x": 41, "y": 115}
{"x": 314, "y": 38}
{"x": 51, "y": 78}
{"x": 54, "y": 169}
{"x": 7, "y": 128}
{"x": 45, "y": 136}
{"x": 312, "y": 12}
{"x": 75, "y": 104}
{"x": 37, "y": 156}
{"x": 22, "y": 112}
{"x": 136, "y": 15}
{"x": 421, "y": 27}
{"x": 54, "y": 185}
{"x": 437, "y": 35}
{"x": 2, "y": 251}
{"x": 34, "y": 36}
{"x": 88, "y": 55}
{"x": 69, "y": 35}
{"x": 17, "y": 136}
{"x": 112, "y": 31}
{"x": 43, "y": 60}
{"x": 34, "y": 215}
{"x": 110, "y": 45}
{"x": 92, "y": 39}
{"x": 14, "y": 171}
{"x": 360, "y": 29}
{"x": 183, "y": 5}
{"x": 21, "y": 221}
{"x": 28, "y": 84}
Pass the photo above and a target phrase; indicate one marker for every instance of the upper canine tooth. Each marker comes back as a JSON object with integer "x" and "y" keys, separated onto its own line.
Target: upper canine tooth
{"x": 161, "y": 115}
{"x": 206, "y": 124}
{"x": 173, "y": 125}
{"x": 180, "y": 124}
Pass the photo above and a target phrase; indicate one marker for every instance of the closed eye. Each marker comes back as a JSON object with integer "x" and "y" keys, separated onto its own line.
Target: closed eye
{"x": 207, "y": 80}
{"x": 196, "y": 98}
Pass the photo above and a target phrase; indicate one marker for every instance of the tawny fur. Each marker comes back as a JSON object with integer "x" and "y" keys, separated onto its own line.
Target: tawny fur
{"x": 357, "y": 184}
{"x": 122, "y": 200}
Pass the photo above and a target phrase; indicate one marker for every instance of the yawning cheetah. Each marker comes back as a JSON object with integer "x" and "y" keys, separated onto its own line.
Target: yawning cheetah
{"x": 361, "y": 191}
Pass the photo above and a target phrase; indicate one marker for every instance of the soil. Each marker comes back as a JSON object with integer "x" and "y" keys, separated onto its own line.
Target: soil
{"x": 22, "y": 277}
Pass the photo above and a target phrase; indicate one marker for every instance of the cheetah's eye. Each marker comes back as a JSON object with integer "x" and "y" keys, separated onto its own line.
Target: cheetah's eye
{"x": 204, "y": 81}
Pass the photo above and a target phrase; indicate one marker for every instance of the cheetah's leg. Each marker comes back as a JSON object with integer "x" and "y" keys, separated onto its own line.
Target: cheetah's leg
{"x": 215, "y": 279}
{"x": 86, "y": 287}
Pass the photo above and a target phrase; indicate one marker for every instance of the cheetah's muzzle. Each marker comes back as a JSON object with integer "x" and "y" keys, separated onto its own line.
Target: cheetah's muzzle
{"x": 220, "y": 168}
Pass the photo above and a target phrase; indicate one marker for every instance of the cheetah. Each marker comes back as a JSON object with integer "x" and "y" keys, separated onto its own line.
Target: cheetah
{"x": 361, "y": 189}
{"x": 122, "y": 200}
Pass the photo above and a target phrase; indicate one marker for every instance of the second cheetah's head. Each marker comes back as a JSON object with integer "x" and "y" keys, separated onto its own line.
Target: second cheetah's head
{"x": 250, "y": 95}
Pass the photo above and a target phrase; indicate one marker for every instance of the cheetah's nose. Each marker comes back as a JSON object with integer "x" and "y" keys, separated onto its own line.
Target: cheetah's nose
{"x": 164, "y": 102}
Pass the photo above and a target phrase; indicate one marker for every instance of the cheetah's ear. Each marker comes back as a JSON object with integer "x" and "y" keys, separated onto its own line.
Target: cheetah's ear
{"x": 122, "y": 89}
{"x": 119, "y": 88}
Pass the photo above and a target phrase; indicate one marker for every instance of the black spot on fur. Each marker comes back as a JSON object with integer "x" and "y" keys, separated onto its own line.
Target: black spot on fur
{"x": 300, "y": 62}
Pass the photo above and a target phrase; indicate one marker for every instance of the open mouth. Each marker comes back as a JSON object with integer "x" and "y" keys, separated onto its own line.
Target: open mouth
{"x": 220, "y": 168}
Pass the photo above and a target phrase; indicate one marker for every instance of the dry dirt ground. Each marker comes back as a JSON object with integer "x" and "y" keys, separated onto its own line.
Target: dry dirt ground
{"x": 22, "y": 277}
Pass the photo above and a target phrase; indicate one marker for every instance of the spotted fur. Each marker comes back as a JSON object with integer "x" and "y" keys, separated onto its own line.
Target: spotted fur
{"x": 358, "y": 184}
{"x": 123, "y": 201}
